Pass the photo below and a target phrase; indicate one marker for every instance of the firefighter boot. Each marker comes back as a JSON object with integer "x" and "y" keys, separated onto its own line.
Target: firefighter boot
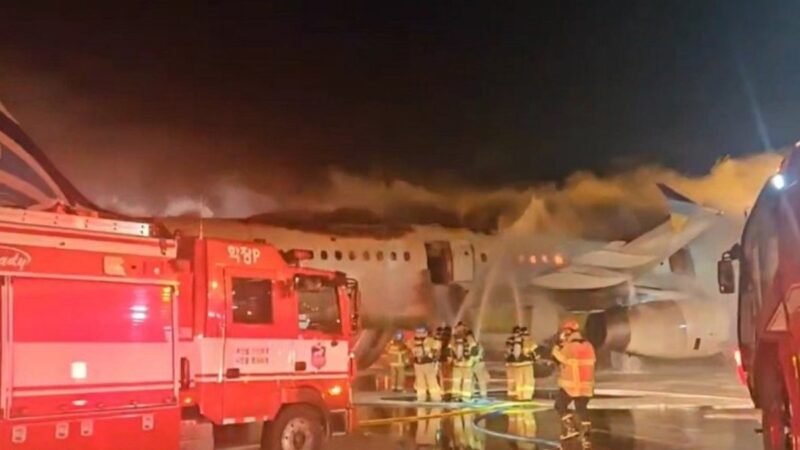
{"x": 586, "y": 431}
{"x": 568, "y": 430}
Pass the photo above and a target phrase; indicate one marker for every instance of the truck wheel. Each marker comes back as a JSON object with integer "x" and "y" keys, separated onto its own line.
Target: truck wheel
{"x": 297, "y": 427}
{"x": 774, "y": 412}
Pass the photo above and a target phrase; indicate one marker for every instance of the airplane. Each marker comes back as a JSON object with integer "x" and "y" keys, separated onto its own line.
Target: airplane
{"x": 422, "y": 274}
{"x": 410, "y": 275}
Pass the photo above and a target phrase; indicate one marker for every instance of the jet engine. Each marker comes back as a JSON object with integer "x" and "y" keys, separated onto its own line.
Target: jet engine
{"x": 662, "y": 329}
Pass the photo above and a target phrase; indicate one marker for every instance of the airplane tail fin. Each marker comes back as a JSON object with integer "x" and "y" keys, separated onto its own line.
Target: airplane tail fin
{"x": 616, "y": 264}
{"x": 687, "y": 221}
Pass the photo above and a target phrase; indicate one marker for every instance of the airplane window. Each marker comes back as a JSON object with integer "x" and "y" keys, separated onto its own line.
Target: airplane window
{"x": 379, "y": 256}
{"x": 393, "y": 256}
{"x": 407, "y": 256}
{"x": 338, "y": 255}
{"x": 323, "y": 254}
{"x": 484, "y": 258}
{"x": 352, "y": 255}
{"x": 366, "y": 255}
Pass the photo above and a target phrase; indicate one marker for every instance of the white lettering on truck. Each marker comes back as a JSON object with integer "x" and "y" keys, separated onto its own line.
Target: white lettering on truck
{"x": 14, "y": 258}
{"x": 244, "y": 255}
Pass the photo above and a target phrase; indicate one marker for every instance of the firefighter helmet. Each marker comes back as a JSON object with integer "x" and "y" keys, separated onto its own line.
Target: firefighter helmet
{"x": 516, "y": 329}
{"x": 570, "y": 325}
{"x": 524, "y": 331}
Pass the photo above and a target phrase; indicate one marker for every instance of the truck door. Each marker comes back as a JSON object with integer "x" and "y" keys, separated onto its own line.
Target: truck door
{"x": 257, "y": 345}
{"x": 322, "y": 350}
{"x": 463, "y": 261}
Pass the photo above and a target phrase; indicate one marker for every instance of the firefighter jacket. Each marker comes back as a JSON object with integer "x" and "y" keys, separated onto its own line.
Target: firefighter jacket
{"x": 576, "y": 360}
{"x": 520, "y": 348}
{"x": 528, "y": 349}
{"x": 477, "y": 353}
{"x": 464, "y": 352}
{"x": 426, "y": 350}
{"x": 397, "y": 352}
{"x": 509, "y": 353}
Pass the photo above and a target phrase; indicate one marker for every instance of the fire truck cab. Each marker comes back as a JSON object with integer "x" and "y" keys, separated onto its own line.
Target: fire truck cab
{"x": 264, "y": 341}
{"x": 769, "y": 304}
{"x": 112, "y": 337}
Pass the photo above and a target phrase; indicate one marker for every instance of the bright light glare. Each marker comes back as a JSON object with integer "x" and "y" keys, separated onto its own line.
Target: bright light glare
{"x": 335, "y": 390}
{"x": 737, "y": 355}
{"x": 78, "y": 370}
{"x": 778, "y": 181}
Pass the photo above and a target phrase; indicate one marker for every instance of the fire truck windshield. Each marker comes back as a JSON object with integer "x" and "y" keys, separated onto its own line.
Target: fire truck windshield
{"x": 318, "y": 304}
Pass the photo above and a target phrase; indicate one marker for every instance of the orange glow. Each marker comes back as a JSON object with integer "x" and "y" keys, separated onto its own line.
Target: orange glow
{"x": 214, "y": 285}
{"x": 188, "y": 400}
{"x": 545, "y": 259}
{"x": 533, "y": 259}
{"x": 558, "y": 259}
{"x": 335, "y": 390}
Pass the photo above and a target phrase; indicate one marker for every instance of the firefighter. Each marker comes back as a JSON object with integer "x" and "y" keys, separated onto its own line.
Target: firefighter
{"x": 462, "y": 367}
{"x": 425, "y": 354}
{"x": 525, "y": 375}
{"x": 479, "y": 365}
{"x": 446, "y": 363}
{"x": 460, "y": 329}
{"x": 576, "y": 359}
{"x": 398, "y": 358}
{"x": 511, "y": 368}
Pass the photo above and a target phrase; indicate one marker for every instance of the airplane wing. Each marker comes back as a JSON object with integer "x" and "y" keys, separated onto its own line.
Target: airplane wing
{"x": 616, "y": 264}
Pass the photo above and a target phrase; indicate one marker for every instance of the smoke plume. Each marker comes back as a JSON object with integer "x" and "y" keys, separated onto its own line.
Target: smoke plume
{"x": 586, "y": 205}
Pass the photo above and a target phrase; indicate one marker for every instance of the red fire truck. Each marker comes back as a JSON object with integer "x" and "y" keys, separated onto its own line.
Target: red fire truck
{"x": 112, "y": 337}
{"x": 769, "y": 304}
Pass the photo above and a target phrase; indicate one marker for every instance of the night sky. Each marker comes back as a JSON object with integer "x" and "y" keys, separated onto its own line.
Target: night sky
{"x": 494, "y": 93}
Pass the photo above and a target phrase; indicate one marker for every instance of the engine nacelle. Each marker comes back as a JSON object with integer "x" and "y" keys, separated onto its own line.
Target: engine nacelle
{"x": 662, "y": 329}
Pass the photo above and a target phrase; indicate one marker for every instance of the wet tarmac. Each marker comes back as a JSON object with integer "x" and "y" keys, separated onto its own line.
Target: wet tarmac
{"x": 402, "y": 428}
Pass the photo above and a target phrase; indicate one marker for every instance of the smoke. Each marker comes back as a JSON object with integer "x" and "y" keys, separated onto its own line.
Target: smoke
{"x": 587, "y": 205}
{"x": 124, "y": 154}
{"x": 623, "y": 205}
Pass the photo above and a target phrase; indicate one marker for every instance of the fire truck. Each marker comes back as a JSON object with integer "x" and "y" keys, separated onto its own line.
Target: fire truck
{"x": 769, "y": 304}
{"x": 114, "y": 336}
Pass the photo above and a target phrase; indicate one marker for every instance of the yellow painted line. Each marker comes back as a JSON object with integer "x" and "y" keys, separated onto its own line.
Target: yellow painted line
{"x": 478, "y": 409}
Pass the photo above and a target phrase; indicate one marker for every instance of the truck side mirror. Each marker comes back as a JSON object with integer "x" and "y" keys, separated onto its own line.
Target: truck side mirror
{"x": 726, "y": 276}
{"x": 355, "y": 303}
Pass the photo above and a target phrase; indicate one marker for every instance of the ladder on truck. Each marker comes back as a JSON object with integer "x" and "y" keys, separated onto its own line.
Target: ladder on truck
{"x": 76, "y": 222}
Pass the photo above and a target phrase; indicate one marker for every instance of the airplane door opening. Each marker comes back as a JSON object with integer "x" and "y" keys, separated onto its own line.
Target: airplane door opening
{"x": 440, "y": 261}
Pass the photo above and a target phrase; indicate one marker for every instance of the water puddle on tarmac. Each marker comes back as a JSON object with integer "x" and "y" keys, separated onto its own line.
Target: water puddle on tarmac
{"x": 404, "y": 428}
